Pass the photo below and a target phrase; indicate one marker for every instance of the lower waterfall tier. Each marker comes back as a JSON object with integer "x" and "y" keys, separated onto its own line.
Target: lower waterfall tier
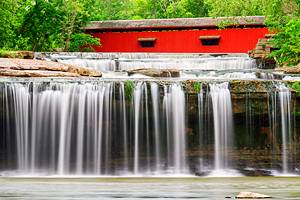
{"x": 146, "y": 128}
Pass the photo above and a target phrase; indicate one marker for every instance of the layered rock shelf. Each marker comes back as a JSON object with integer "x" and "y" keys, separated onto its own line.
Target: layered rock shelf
{"x": 152, "y": 72}
{"x": 290, "y": 70}
{"x": 39, "y": 68}
{"x": 261, "y": 51}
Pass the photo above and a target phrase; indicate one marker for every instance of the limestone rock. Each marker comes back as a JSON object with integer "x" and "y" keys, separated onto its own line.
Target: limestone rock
{"x": 261, "y": 52}
{"x": 290, "y": 70}
{"x": 35, "y": 73}
{"x": 26, "y": 68}
{"x": 155, "y": 72}
{"x": 251, "y": 195}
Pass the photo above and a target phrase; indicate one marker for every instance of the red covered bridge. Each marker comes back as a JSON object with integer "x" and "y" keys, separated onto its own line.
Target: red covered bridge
{"x": 185, "y": 35}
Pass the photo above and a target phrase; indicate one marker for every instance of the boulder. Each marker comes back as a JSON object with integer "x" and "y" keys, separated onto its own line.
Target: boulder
{"x": 36, "y": 68}
{"x": 256, "y": 172}
{"x": 155, "y": 72}
{"x": 251, "y": 195}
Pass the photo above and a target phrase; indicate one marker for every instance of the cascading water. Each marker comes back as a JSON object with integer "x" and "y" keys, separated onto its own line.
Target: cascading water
{"x": 97, "y": 64}
{"x": 92, "y": 127}
{"x": 87, "y": 129}
{"x": 123, "y": 61}
{"x": 223, "y": 121}
{"x": 284, "y": 96}
{"x": 155, "y": 102}
{"x": 137, "y": 104}
{"x": 174, "y": 107}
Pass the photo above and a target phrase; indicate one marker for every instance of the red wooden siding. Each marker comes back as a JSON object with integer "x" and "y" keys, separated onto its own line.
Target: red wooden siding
{"x": 233, "y": 40}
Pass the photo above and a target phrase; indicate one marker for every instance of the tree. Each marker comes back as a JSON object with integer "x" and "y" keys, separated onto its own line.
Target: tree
{"x": 42, "y": 24}
{"x": 74, "y": 17}
{"x": 11, "y": 15}
{"x": 108, "y": 9}
{"x": 49, "y": 25}
{"x": 287, "y": 42}
{"x": 146, "y": 9}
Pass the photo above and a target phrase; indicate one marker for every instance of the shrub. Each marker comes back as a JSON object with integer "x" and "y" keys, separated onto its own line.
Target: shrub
{"x": 83, "y": 42}
{"x": 287, "y": 42}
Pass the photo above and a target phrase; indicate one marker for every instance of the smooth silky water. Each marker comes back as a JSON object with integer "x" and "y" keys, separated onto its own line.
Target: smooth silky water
{"x": 147, "y": 138}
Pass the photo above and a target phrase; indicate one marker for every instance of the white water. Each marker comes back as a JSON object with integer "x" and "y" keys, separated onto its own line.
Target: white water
{"x": 155, "y": 102}
{"x": 137, "y": 104}
{"x": 174, "y": 106}
{"x": 116, "y": 62}
{"x": 82, "y": 129}
{"x": 223, "y": 131}
{"x": 99, "y": 64}
{"x": 93, "y": 129}
{"x": 284, "y": 96}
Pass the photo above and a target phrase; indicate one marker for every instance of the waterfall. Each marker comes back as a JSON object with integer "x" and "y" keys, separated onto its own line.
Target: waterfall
{"x": 222, "y": 114}
{"x": 125, "y": 133}
{"x": 174, "y": 106}
{"x": 155, "y": 103}
{"x": 101, "y": 128}
{"x": 126, "y": 61}
{"x": 137, "y": 103}
{"x": 96, "y": 64}
{"x": 55, "y": 122}
{"x": 284, "y": 96}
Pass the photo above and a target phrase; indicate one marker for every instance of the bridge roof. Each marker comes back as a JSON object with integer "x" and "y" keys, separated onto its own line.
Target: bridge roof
{"x": 177, "y": 23}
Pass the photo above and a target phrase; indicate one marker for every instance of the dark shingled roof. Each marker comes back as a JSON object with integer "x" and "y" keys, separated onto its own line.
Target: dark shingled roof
{"x": 176, "y": 23}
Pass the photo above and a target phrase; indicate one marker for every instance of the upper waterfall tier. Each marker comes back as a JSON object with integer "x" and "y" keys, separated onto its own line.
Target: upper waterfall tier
{"x": 127, "y": 61}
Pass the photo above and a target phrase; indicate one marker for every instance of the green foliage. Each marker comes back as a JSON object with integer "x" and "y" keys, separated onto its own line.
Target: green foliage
{"x": 109, "y": 9}
{"x": 7, "y": 54}
{"x": 50, "y": 25}
{"x": 197, "y": 87}
{"x": 41, "y": 25}
{"x": 295, "y": 86}
{"x": 288, "y": 44}
{"x": 129, "y": 89}
{"x": 11, "y": 15}
{"x": 151, "y": 9}
{"x": 83, "y": 42}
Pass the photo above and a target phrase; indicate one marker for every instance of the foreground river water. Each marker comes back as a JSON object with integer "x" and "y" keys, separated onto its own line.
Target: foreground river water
{"x": 145, "y": 188}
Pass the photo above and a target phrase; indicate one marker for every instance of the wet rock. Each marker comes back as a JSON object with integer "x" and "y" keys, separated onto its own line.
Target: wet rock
{"x": 84, "y": 71}
{"x": 245, "y": 86}
{"x": 37, "y": 68}
{"x": 251, "y": 195}
{"x": 206, "y": 173}
{"x": 155, "y": 72}
{"x": 256, "y": 172}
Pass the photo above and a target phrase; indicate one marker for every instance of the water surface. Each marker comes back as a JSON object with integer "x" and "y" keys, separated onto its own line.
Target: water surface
{"x": 146, "y": 188}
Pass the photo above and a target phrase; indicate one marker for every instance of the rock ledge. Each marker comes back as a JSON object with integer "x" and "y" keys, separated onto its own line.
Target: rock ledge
{"x": 39, "y": 68}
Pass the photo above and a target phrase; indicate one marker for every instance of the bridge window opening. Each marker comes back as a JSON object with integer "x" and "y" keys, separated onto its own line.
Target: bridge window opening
{"x": 210, "y": 40}
{"x": 147, "y": 42}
